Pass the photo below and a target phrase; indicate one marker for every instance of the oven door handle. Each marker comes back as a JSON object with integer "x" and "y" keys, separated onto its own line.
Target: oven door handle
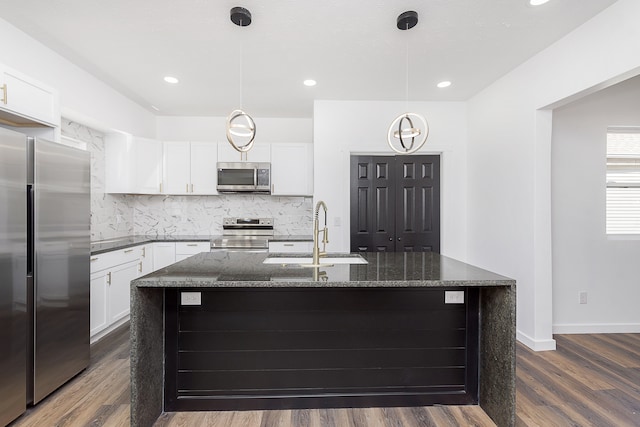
{"x": 255, "y": 178}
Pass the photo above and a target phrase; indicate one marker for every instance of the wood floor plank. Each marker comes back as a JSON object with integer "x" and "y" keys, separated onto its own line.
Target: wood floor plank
{"x": 606, "y": 350}
{"x": 590, "y": 380}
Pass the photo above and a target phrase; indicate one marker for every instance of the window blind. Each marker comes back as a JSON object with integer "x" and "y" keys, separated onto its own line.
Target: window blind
{"x": 623, "y": 181}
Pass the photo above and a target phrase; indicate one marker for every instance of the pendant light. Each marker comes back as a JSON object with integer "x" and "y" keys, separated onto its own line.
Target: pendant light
{"x": 405, "y": 128}
{"x": 241, "y": 129}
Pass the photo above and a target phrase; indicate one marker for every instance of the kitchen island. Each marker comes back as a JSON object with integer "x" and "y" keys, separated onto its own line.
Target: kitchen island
{"x": 226, "y": 331}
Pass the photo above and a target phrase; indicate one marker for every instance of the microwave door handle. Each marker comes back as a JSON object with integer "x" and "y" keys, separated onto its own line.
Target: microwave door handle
{"x": 255, "y": 178}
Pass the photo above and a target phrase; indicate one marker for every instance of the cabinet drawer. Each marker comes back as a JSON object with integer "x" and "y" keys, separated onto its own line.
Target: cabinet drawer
{"x": 300, "y": 247}
{"x": 113, "y": 258}
{"x": 192, "y": 248}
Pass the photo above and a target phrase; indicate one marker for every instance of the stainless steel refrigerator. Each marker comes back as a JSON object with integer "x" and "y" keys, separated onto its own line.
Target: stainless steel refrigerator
{"x": 44, "y": 268}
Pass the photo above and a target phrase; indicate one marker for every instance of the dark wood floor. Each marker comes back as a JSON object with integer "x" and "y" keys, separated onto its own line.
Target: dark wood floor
{"x": 591, "y": 380}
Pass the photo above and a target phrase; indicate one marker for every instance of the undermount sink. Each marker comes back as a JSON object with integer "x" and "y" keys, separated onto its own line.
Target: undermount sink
{"x": 308, "y": 261}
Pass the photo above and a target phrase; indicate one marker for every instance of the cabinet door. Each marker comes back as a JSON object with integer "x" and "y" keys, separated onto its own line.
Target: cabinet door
{"x": 146, "y": 259}
{"x": 204, "y": 176}
{"x": 119, "y": 164}
{"x": 119, "y": 290}
{"x": 302, "y": 247}
{"x": 176, "y": 168}
{"x": 292, "y": 169}
{"x": 164, "y": 254}
{"x": 21, "y": 95}
{"x": 261, "y": 152}
{"x": 99, "y": 302}
{"x": 148, "y": 166}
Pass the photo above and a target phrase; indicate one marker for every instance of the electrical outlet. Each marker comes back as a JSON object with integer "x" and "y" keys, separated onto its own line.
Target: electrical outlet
{"x": 454, "y": 297}
{"x": 583, "y": 297}
{"x": 190, "y": 298}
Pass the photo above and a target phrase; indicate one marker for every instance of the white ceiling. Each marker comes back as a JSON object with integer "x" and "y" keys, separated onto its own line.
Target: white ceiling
{"x": 351, "y": 47}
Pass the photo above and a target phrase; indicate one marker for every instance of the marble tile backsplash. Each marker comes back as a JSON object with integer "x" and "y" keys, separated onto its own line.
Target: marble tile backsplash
{"x": 111, "y": 214}
{"x": 202, "y": 215}
{"x": 116, "y": 215}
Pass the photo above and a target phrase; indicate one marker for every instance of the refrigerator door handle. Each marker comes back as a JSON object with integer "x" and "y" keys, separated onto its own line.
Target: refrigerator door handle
{"x": 30, "y": 231}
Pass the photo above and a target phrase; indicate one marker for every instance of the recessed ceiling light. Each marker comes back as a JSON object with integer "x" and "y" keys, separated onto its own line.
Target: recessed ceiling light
{"x": 537, "y": 2}
{"x": 444, "y": 84}
{"x": 309, "y": 82}
{"x": 170, "y": 79}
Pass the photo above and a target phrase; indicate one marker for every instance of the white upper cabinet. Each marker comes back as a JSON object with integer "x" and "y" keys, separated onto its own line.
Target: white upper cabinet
{"x": 190, "y": 168}
{"x": 25, "y": 101}
{"x": 148, "y": 166}
{"x": 292, "y": 169}
{"x": 260, "y": 152}
{"x": 133, "y": 165}
{"x": 204, "y": 174}
{"x": 177, "y": 167}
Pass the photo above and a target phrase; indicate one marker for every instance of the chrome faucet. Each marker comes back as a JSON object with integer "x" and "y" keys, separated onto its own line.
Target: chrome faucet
{"x": 316, "y": 231}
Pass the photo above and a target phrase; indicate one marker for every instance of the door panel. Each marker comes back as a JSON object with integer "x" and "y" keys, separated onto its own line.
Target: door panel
{"x": 372, "y": 204}
{"x": 395, "y": 203}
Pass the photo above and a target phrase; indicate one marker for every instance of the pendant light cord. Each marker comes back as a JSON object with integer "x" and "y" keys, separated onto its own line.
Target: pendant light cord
{"x": 241, "y": 53}
{"x": 406, "y": 77}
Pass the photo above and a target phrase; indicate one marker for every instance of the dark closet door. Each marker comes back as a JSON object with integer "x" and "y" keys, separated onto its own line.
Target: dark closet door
{"x": 417, "y": 204}
{"x": 395, "y": 203}
{"x": 372, "y": 204}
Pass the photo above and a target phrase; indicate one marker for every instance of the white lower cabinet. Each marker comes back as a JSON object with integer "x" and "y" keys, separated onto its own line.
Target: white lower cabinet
{"x": 120, "y": 290}
{"x": 99, "y": 300}
{"x": 146, "y": 259}
{"x": 297, "y": 247}
{"x": 111, "y": 275}
{"x": 186, "y": 249}
{"x": 164, "y": 254}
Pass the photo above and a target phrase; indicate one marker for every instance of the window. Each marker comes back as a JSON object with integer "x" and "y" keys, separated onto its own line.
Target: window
{"x": 623, "y": 181}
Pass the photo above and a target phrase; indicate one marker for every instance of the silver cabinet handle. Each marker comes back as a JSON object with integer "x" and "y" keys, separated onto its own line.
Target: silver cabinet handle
{"x": 192, "y": 244}
{"x": 187, "y": 190}
{"x": 4, "y": 94}
{"x": 288, "y": 244}
{"x": 109, "y": 278}
{"x": 161, "y": 187}
{"x": 94, "y": 259}
{"x": 140, "y": 266}
{"x": 128, "y": 250}
{"x": 192, "y": 188}
{"x": 144, "y": 252}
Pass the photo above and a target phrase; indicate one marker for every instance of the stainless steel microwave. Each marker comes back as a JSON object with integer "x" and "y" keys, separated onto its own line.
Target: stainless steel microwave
{"x": 244, "y": 177}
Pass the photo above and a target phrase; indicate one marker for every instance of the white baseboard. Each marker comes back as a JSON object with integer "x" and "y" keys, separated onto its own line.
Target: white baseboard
{"x": 597, "y": 328}
{"x": 103, "y": 333}
{"x": 536, "y": 345}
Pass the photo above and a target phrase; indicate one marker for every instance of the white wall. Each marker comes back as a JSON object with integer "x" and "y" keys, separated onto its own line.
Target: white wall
{"x": 83, "y": 98}
{"x": 360, "y": 127}
{"x": 268, "y": 130}
{"x": 584, "y": 259}
{"x": 509, "y": 155}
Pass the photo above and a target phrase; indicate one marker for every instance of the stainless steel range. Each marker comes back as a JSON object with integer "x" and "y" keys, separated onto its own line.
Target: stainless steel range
{"x": 244, "y": 234}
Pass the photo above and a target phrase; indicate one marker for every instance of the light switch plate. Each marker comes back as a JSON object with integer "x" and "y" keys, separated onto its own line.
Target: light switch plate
{"x": 191, "y": 298}
{"x": 454, "y": 297}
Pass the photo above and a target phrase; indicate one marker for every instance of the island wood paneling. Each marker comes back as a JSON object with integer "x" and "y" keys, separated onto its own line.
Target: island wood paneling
{"x": 331, "y": 347}
{"x": 589, "y": 373}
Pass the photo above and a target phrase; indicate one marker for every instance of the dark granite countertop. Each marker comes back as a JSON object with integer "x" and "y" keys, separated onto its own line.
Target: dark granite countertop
{"x": 293, "y": 238}
{"x": 239, "y": 269}
{"x": 129, "y": 241}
